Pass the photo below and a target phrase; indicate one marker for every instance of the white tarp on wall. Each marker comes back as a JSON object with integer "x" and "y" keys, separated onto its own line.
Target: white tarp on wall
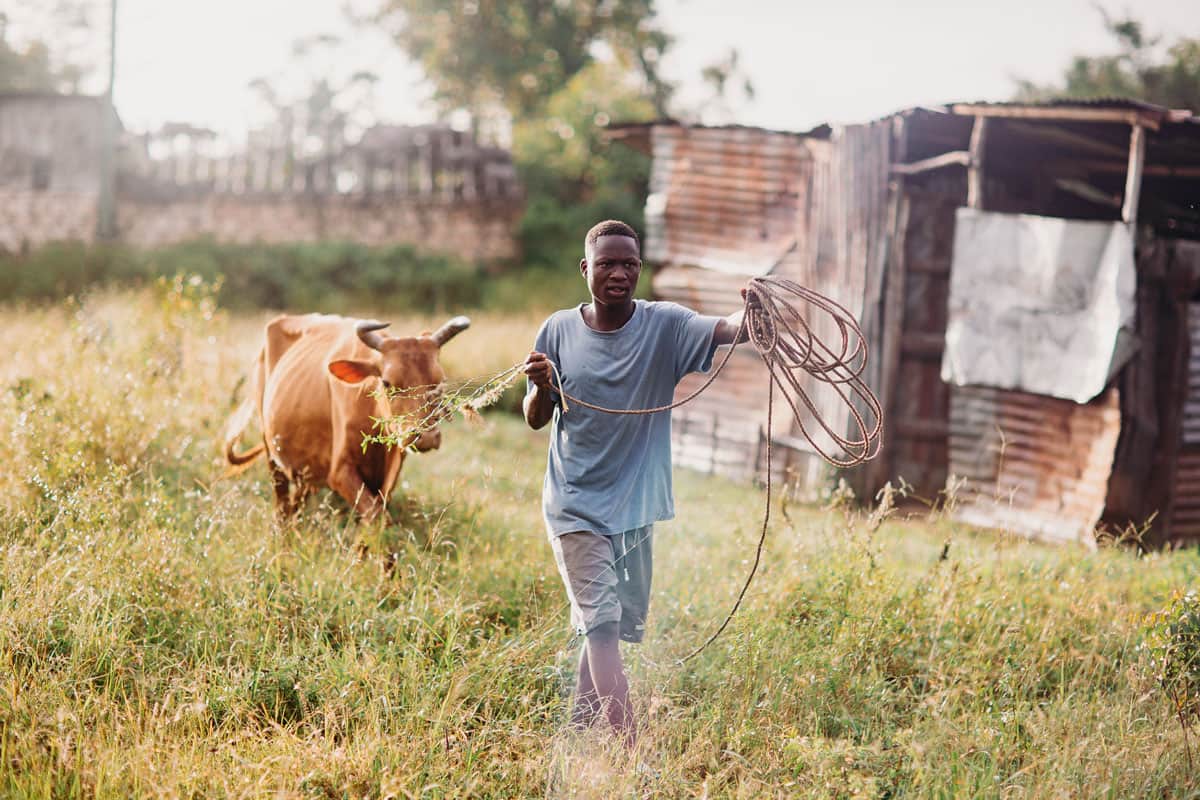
{"x": 1039, "y": 304}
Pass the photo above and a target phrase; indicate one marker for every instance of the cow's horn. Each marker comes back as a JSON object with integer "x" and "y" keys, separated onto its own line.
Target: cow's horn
{"x": 366, "y": 332}
{"x": 451, "y": 329}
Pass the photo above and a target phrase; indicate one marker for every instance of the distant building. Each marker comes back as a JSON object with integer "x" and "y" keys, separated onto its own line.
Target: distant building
{"x": 50, "y": 148}
{"x": 427, "y": 186}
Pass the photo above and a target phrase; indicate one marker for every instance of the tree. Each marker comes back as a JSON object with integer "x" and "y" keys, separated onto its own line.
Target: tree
{"x": 319, "y": 107}
{"x": 1141, "y": 69}
{"x": 484, "y": 55}
{"x": 50, "y": 46}
{"x": 723, "y": 77}
{"x": 559, "y": 70}
{"x": 572, "y": 175}
{"x": 31, "y": 67}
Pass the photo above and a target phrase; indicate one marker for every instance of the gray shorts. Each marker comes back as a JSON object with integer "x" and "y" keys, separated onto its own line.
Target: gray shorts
{"x": 607, "y": 578}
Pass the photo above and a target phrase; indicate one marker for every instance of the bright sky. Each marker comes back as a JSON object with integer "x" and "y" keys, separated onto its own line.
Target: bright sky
{"x": 853, "y": 60}
{"x": 837, "y": 60}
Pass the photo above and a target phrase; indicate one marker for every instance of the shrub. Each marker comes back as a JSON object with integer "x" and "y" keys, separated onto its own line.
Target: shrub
{"x": 330, "y": 276}
{"x": 1173, "y": 641}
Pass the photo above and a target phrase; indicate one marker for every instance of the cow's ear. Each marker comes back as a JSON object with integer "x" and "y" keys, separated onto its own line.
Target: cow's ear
{"x": 353, "y": 371}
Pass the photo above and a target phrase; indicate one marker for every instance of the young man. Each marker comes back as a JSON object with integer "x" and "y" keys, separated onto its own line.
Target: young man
{"x": 608, "y": 476}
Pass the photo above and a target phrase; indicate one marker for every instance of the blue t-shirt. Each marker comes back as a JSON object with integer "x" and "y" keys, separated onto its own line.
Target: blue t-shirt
{"x": 609, "y": 473}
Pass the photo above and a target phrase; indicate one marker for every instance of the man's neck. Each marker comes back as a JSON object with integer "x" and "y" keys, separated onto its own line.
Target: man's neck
{"x": 606, "y": 318}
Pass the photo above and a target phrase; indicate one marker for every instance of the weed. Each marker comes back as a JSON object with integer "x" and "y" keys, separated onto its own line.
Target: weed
{"x": 1173, "y": 642}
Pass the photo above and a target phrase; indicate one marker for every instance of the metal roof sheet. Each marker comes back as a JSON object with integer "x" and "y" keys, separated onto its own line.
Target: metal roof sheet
{"x": 1072, "y": 102}
{"x": 724, "y": 198}
{"x": 1034, "y": 465}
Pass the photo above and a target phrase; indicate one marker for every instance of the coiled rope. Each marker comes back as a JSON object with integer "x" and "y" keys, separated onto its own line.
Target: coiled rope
{"x": 785, "y": 338}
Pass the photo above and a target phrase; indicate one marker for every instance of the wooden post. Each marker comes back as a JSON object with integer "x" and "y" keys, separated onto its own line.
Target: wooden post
{"x": 975, "y": 168}
{"x": 890, "y": 318}
{"x": 1133, "y": 175}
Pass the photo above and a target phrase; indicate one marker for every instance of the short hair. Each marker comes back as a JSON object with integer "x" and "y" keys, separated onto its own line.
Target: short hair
{"x": 610, "y": 227}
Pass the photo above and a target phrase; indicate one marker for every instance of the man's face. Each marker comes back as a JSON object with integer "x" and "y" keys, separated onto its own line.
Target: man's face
{"x": 612, "y": 269}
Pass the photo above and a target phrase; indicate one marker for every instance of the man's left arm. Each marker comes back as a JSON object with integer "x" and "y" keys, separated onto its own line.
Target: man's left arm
{"x": 698, "y": 337}
{"x": 729, "y": 329}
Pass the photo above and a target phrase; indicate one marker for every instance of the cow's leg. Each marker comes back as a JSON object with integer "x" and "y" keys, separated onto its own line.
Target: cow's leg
{"x": 303, "y": 489}
{"x": 345, "y": 480}
{"x": 284, "y": 507}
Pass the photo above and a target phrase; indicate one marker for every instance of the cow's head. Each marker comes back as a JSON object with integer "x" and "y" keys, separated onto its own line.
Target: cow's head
{"x": 410, "y": 374}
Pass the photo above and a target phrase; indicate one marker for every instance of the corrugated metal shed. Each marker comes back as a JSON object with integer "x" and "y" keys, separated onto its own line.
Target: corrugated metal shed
{"x": 724, "y": 199}
{"x": 866, "y": 214}
{"x": 727, "y": 203}
{"x": 1185, "y": 510}
{"x": 1033, "y": 465}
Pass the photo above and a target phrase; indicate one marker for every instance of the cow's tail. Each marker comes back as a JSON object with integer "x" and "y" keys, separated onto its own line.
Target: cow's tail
{"x": 233, "y": 431}
{"x": 238, "y": 462}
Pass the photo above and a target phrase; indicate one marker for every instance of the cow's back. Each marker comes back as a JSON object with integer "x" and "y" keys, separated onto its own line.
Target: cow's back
{"x": 303, "y": 410}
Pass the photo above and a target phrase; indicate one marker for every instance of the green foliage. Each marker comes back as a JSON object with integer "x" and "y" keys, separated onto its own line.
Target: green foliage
{"x": 565, "y": 142}
{"x": 1140, "y": 69}
{"x": 44, "y": 63}
{"x": 161, "y": 635}
{"x": 573, "y": 177}
{"x": 1173, "y": 641}
{"x": 537, "y": 63}
{"x": 329, "y": 276}
{"x": 485, "y": 53}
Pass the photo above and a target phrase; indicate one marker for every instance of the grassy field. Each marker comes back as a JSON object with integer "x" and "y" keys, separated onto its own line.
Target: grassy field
{"x": 160, "y": 636}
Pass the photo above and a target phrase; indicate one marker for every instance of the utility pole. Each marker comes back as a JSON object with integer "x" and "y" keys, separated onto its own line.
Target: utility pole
{"x": 106, "y": 210}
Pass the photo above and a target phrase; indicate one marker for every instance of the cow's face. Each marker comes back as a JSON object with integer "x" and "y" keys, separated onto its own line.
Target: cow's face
{"x": 413, "y": 380}
{"x": 410, "y": 376}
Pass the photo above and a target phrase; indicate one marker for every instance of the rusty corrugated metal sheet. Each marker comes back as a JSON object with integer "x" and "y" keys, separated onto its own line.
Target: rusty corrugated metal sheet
{"x": 719, "y": 431}
{"x": 1074, "y": 102}
{"x": 1033, "y": 465}
{"x": 724, "y": 198}
{"x": 1184, "y": 527}
{"x": 724, "y": 205}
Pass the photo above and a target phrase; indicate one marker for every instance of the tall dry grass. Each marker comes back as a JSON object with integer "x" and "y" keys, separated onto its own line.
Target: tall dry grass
{"x": 161, "y": 636}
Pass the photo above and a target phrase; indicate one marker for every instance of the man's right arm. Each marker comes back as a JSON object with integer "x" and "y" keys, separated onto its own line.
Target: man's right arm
{"x": 539, "y": 403}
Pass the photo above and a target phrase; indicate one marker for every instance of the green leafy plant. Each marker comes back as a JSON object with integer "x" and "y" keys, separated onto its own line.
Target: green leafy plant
{"x": 330, "y": 276}
{"x": 1173, "y": 642}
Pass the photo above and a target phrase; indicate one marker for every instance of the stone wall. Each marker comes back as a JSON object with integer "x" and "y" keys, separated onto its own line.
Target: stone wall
{"x": 467, "y": 229}
{"x": 470, "y": 230}
{"x": 429, "y": 186}
{"x": 31, "y": 218}
{"x": 50, "y": 142}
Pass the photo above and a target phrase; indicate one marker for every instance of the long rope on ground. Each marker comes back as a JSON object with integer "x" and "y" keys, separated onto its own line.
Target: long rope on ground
{"x": 784, "y": 336}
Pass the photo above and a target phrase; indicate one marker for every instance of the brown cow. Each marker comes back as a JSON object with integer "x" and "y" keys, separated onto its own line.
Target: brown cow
{"x": 316, "y": 392}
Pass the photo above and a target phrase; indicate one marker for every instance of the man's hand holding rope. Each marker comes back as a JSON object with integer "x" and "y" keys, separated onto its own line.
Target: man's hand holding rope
{"x": 539, "y": 404}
